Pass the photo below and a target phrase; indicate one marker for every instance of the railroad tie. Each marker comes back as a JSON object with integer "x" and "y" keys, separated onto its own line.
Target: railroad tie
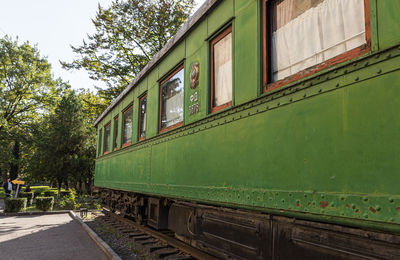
{"x": 162, "y": 253}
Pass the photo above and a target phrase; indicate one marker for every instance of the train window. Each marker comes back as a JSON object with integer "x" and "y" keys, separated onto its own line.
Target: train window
{"x": 302, "y": 34}
{"x": 107, "y": 133}
{"x": 142, "y": 117}
{"x": 115, "y": 133}
{"x": 100, "y": 138}
{"x": 127, "y": 126}
{"x": 171, "y": 100}
{"x": 221, "y": 70}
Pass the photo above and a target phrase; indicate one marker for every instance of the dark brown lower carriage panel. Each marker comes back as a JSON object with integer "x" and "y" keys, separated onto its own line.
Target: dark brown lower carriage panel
{"x": 225, "y": 233}
{"x": 236, "y": 234}
{"x": 157, "y": 213}
{"x": 312, "y": 240}
{"x": 232, "y": 234}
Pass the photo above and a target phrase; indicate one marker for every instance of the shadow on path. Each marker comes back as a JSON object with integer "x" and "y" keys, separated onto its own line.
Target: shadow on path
{"x": 30, "y": 237}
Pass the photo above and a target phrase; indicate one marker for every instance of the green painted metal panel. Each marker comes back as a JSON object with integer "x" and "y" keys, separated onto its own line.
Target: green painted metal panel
{"x": 172, "y": 60}
{"x": 389, "y": 23}
{"x": 152, "y": 111}
{"x": 246, "y": 52}
{"x": 196, "y": 39}
{"x": 220, "y": 16}
{"x": 153, "y": 77}
{"x": 200, "y": 56}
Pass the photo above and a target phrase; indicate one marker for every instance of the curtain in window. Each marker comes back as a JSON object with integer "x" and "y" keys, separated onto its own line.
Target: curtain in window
{"x": 107, "y": 132}
{"x": 142, "y": 131}
{"x": 127, "y": 137}
{"x": 223, "y": 71}
{"x": 308, "y": 32}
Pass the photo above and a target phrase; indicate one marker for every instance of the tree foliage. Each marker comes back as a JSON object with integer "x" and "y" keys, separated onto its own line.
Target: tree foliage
{"x": 64, "y": 144}
{"x": 128, "y": 34}
{"x": 27, "y": 90}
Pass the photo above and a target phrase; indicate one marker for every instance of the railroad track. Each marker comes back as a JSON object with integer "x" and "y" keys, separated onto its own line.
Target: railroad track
{"x": 154, "y": 244}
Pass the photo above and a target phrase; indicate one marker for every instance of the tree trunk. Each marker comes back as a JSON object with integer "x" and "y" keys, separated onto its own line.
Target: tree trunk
{"x": 14, "y": 165}
{"x": 59, "y": 183}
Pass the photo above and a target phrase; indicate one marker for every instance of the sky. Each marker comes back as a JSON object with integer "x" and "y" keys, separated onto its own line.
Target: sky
{"x": 54, "y": 25}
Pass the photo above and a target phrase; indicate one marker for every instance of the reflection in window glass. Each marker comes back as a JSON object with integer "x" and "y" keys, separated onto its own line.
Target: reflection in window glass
{"x": 172, "y": 100}
{"x": 307, "y": 33}
{"x": 222, "y": 51}
{"x": 142, "y": 122}
{"x": 115, "y": 132}
{"x": 107, "y": 132}
{"x": 127, "y": 126}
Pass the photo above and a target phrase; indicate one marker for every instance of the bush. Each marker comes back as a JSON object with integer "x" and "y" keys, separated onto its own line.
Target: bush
{"x": 68, "y": 202}
{"x": 37, "y": 193}
{"x": 50, "y": 193}
{"x": 28, "y": 196}
{"x": 15, "y": 205}
{"x": 44, "y": 203}
{"x": 65, "y": 194}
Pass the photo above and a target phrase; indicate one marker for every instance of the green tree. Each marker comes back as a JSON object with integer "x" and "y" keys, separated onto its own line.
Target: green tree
{"x": 61, "y": 140}
{"x": 128, "y": 34}
{"x": 27, "y": 90}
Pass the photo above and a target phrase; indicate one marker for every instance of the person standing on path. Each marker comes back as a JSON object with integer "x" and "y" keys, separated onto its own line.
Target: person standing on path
{"x": 7, "y": 187}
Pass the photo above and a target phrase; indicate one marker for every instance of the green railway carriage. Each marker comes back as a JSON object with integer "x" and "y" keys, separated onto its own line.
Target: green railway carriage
{"x": 265, "y": 130}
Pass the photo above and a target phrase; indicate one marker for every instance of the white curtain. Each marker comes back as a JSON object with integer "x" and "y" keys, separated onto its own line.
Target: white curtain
{"x": 128, "y": 126}
{"x": 324, "y": 31}
{"x": 223, "y": 71}
{"x": 174, "y": 111}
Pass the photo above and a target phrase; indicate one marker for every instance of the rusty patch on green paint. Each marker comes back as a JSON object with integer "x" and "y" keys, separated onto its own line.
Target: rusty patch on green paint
{"x": 398, "y": 209}
{"x": 372, "y": 209}
{"x": 324, "y": 204}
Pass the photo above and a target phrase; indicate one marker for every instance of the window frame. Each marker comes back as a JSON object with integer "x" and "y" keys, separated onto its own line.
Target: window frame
{"x": 128, "y": 108}
{"x": 100, "y": 146}
{"x": 214, "y": 41}
{"x": 104, "y": 141}
{"x": 266, "y": 50}
{"x": 115, "y": 136}
{"x": 170, "y": 75}
{"x": 143, "y": 96}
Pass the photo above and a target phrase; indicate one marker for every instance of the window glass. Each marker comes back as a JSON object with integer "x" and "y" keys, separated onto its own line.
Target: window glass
{"x": 127, "y": 127}
{"x": 115, "y": 132}
{"x": 107, "y": 132}
{"x": 142, "y": 116}
{"x": 309, "y": 32}
{"x": 100, "y": 138}
{"x": 222, "y": 65}
{"x": 172, "y": 100}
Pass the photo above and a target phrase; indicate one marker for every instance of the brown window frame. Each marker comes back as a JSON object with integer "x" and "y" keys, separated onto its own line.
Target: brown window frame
{"x": 104, "y": 141}
{"x": 115, "y": 136}
{"x": 266, "y": 49}
{"x": 162, "y": 130}
{"x": 100, "y": 142}
{"x": 215, "y": 40}
{"x": 143, "y": 96}
{"x": 130, "y": 107}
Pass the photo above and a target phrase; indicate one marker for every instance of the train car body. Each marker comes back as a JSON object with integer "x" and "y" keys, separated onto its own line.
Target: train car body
{"x": 306, "y": 165}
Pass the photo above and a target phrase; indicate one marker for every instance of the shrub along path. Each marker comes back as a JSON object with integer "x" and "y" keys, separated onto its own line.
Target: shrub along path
{"x": 46, "y": 237}
{"x": 1, "y": 205}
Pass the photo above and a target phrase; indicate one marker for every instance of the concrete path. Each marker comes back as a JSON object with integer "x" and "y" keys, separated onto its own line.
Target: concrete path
{"x": 45, "y": 237}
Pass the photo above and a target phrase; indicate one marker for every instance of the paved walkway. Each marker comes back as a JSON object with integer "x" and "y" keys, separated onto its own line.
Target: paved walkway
{"x": 45, "y": 237}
